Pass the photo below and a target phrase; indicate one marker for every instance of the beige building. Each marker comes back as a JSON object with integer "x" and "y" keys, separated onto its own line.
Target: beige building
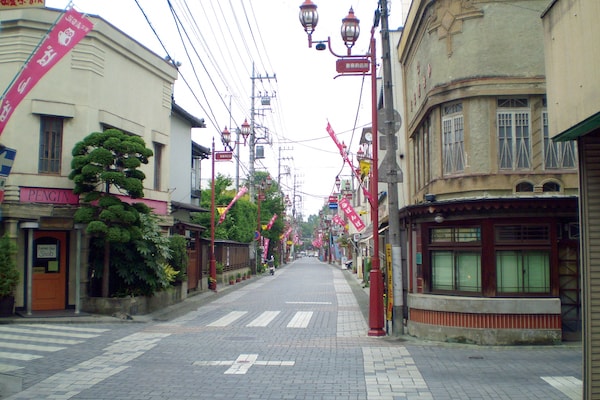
{"x": 574, "y": 110}
{"x": 491, "y": 210}
{"x": 107, "y": 80}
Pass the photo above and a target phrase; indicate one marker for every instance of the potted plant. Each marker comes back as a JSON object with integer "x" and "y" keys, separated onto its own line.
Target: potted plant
{"x": 231, "y": 280}
{"x": 238, "y": 277}
{"x": 9, "y": 275}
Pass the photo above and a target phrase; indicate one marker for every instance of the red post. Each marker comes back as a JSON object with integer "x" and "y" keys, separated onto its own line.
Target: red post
{"x": 213, "y": 262}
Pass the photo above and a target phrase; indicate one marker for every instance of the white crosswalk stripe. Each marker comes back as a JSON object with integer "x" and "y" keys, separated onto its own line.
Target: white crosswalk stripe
{"x": 264, "y": 319}
{"x": 301, "y": 319}
{"x": 28, "y": 342}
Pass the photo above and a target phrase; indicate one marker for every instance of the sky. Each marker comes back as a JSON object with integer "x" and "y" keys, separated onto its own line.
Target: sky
{"x": 218, "y": 43}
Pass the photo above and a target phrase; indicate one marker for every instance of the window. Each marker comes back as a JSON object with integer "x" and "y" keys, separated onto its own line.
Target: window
{"x": 551, "y": 187}
{"x": 158, "y": 151}
{"x": 557, "y": 155}
{"x": 514, "y": 137}
{"x": 524, "y": 187}
{"x": 51, "y": 132}
{"x": 453, "y": 139}
{"x": 456, "y": 259}
{"x": 456, "y": 270}
{"x": 523, "y": 271}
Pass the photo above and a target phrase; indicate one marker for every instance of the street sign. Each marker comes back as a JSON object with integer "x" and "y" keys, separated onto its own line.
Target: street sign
{"x": 333, "y": 199}
{"x": 223, "y": 155}
{"x": 7, "y": 157}
{"x": 352, "y": 65}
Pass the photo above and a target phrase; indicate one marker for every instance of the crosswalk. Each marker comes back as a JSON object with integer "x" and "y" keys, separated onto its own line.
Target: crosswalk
{"x": 28, "y": 342}
{"x": 300, "y": 319}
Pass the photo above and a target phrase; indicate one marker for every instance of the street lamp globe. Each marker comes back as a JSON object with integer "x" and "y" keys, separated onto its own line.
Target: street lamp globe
{"x": 226, "y": 137}
{"x": 309, "y": 17}
{"x": 350, "y": 29}
{"x": 245, "y": 131}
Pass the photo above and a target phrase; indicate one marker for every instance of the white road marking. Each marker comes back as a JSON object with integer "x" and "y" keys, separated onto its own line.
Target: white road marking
{"x": 301, "y": 319}
{"x": 228, "y": 319}
{"x": 47, "y": 332}
{"x": 264, "y": 319}
{"x": 569, "y": 385}
{"x": 243, "y": 363}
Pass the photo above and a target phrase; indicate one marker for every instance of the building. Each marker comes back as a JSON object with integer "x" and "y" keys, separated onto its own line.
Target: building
{"x": 107, "y": 81}
{"x": 491, "y": 202}
{"x": 574, "y": 115}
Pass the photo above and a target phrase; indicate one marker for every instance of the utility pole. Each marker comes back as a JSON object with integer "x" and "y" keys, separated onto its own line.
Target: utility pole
{"x": 391, "y": 173}
{"x": 253, "y": 129}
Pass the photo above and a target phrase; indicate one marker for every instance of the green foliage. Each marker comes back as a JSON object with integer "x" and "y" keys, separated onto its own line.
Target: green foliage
{"x": 109, "y": 158}
{"x": 9, "y": 274}
{"x": 104, "y": 163}
{"x": 179, "y": 256}
{"x": 140, "y": 265}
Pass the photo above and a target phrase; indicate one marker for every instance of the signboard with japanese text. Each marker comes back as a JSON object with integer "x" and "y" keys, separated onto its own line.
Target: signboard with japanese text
{"x": 11, "y": 4}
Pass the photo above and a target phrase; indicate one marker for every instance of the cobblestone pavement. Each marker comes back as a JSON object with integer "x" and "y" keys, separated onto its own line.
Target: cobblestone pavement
{"x": 300, "y": 334}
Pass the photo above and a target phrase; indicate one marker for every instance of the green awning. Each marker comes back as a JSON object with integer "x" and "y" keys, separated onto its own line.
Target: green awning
{"x": 583, "y": 128}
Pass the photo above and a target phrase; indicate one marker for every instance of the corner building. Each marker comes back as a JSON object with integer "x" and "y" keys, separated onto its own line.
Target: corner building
{"x": 107, "y": 81}
{"x": 491, "y": 215}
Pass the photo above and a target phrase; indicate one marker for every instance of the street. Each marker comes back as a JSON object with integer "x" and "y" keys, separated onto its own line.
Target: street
{"x": 300, "y": 334}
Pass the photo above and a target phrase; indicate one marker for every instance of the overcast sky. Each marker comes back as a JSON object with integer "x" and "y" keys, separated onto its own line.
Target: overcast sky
{"x": 217, "y": 43}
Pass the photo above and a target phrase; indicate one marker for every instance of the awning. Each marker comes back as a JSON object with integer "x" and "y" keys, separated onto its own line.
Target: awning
{"x": 583, "y": 128}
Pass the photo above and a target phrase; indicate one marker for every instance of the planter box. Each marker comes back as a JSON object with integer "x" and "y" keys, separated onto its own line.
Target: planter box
{"x": 132, "y": 305}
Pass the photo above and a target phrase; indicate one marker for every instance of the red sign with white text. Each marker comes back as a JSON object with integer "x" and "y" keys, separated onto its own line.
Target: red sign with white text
{"x": 67, "y": 32}
{"x": 351, "y": 214}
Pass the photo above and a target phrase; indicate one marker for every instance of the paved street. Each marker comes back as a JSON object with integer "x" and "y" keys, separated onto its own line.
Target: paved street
{"x": 300, "y": 334}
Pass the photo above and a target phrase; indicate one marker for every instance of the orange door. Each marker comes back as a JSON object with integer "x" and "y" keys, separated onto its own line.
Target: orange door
{"x": 49, "y": 271}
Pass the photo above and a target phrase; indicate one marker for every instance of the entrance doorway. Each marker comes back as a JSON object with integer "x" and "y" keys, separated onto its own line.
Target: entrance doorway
{"x": 49, "y": 271}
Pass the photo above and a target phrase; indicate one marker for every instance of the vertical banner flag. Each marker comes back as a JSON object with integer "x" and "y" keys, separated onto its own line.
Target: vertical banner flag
{"x": 67, "y": 32}
{"x": 271, "y": 222}
{"x": 242, "y": 191}
{"x": 351, "y": 214}
{"x": 347, "y": 160}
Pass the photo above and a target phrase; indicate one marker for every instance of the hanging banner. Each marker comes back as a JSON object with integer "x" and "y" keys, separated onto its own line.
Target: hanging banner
{"x": 271, "y": 222}
{"x": 266, "y": 250}
{"x": 242, "y": 191}
{"x": 352, "y": 215}
{"x": 347, "y": 160}
{"x": 67, "y": 32}
{"x": 338, "y": 220}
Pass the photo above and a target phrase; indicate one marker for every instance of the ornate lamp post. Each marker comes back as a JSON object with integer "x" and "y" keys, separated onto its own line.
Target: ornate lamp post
{"x": 225, "y": 155}
{"x": 262, "y": 187}
{"x": 358, "y": 65}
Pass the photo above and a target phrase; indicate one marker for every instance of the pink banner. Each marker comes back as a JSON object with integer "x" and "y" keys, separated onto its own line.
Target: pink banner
{"x": 271, "y": 222}
{"x": 358, "y": 223}
{"x": 338, "y": 220}
{"x": 67, "y": 32}
{"x": 347, "y": 160}
{"x": 242, "y": 191}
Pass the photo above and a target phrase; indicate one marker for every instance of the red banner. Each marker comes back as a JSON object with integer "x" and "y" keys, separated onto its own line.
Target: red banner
{"x": 352, "y": 215}
{"x": 271, "y": 222}
{"x": 67, "y": 32}
{"x": 242, "y": 191}
{"x": 347, "y": 160}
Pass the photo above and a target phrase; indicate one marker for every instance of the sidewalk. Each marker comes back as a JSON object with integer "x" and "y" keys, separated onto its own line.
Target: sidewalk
{"x": 192, "y": 302}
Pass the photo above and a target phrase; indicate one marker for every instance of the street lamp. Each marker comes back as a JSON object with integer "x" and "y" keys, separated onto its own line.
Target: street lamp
{"x": 226, "y": 139}
{"x": 262, "y": 187}
{"x": 225, "y": 155}
{"x": 358, "y": 65}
